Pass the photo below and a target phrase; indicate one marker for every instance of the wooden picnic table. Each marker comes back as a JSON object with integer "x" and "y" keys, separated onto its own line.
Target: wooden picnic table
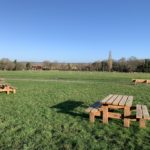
{"x": 117, "y": 102}
{"x": 7, "y": 88}
{"x": 106, "y": 107}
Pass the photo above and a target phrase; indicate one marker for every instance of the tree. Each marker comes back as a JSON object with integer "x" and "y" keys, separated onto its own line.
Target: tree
{"x": 28, "y": 65}
{"x": 96, "y": 66}
{"x": 110, "y": 62}
{"x": 122, "y": 65}
{"x": 46, "y": 65}
{"x": 6, "y": 64}
{"x": 147, "y": 65}
{"x": 18, "y": 65}
{"x": 133, "y": 63}
{"x": 15, "y": 63}
{"x": 104, "y": 65}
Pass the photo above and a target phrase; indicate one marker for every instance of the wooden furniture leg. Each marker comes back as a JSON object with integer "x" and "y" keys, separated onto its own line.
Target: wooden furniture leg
{"x": 92, "y": 117}
{"x": 142, "y": 123}
{"x": 7, "y": 90}
{"x": 105, "y": 114}
{"x": 127, "y": 113}
{"x": 14, "y": 91}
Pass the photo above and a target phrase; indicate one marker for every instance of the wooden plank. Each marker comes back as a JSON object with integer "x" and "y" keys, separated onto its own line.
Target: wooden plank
{"x": 114, "y": 115}
{"x": 142, "y": 123}
{"x": 145, "y": 112}
{"x": 123, "y": 100}
{"x": 129, "y": 101}
{"x": 106, "y": 99}
{"x": 92, "y": 117}
{"x": 110, "y": 101}
{"x": 138, "y": 111}
{"x": 88, "y": 109}
{"x": 117, "y": 100}
{"x": 14, "y": 91}
{"x": 96, "y": 105}
{"x": 127, "y": 113}
{"x": 115, "y": 107}
{"x": 105, "y": 114}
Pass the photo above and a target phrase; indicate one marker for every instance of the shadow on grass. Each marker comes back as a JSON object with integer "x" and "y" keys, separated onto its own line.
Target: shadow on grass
{"x": 69, "y": 107}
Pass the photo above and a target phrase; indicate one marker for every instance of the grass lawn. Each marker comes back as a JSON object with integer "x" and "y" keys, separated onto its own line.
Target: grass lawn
{"x": 47, "y": 111}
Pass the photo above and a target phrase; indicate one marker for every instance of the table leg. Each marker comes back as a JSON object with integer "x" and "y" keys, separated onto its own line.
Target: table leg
{"x": 127, "y": 113}
{"x": 92, "y": 117}
{"x": 7, "y": 90}
{"x": 142, "y": 123}
{"x": 105, "y": 114}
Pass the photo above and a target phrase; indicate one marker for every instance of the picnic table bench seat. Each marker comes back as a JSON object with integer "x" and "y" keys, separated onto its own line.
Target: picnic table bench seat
{"x": 142, "y": 114}
{"x": 135, "y": 81}
{"x": 94, "y": 110}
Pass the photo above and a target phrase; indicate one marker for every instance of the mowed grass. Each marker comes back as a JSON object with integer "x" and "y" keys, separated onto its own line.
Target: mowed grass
{"x": 48, "y": 111}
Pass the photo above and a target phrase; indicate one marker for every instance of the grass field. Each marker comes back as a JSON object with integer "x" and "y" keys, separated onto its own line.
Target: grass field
{"x": 47, "y": 112}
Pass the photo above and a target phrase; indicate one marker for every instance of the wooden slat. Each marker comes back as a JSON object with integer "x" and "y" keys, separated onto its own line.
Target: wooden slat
{"x": 117, "y": 100}
{"x": 123, "y": 100}
{"x": 129, "y": 101}
{"x": 106, "y": 99}
{"x": 95, "y": 105}
{"x": 110, "y": 101}
{"x": 115, "y": 106}
{"x": 88, "y": 109}
{"x": 138, "y": 111}
{"x": 114, "y": 115}
{"x": 145, "y": 112}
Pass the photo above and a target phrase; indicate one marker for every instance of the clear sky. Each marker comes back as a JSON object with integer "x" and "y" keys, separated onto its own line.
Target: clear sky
{"x": 74, "y": 30}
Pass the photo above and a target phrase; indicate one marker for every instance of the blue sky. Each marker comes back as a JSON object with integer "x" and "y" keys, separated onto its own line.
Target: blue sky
{"x": 74, "y": 30}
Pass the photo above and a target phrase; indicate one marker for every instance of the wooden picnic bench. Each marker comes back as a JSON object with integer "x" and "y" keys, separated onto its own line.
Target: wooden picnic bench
{"x": 135, "y": 81}
{"x": 142, "y": 115}
{"x": 114, "y": 102}
{"x": 7, "y": 88}
{"x": 111, "y": 102}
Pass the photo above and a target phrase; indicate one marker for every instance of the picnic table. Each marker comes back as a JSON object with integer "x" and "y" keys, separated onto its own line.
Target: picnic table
{"x": 123, "y": 102}
{"x": 135, "y": 81}
{"x": 123, "y": 105}
{"x": 7, "y": 88}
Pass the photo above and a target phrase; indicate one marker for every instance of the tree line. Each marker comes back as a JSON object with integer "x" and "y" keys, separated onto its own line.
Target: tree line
{"x": 131, "y": 64}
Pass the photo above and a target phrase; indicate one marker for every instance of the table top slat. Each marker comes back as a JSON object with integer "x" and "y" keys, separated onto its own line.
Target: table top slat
{"x": 123, "y": 100}
{"x": 145, "y": 112}
{"x": 106, "y": 99}
{"x": 111, "y": 100}
{"x": 129, "y": 101}
{"x": 117, "y": 100}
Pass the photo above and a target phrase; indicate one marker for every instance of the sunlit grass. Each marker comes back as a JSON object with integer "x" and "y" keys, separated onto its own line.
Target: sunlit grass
{"x": 49, "y": 114}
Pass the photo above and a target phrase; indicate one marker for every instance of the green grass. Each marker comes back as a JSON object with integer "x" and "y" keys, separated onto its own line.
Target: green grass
{"x": 47, "y": 112}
